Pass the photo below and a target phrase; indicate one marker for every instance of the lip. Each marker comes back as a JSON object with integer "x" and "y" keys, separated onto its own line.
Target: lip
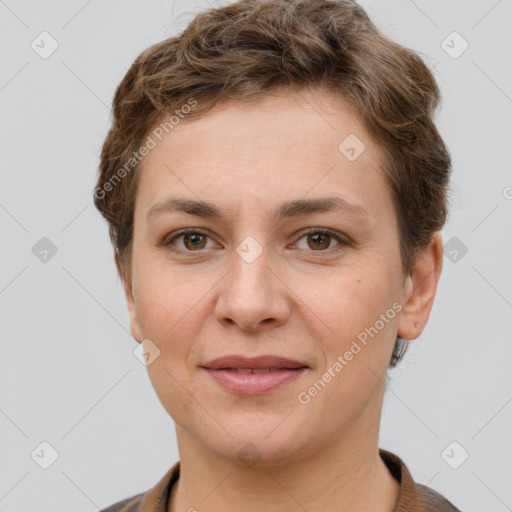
{"x": 264, "y": 361}
{"x": 224, "y": 371}
{"x": 255, "y": 383}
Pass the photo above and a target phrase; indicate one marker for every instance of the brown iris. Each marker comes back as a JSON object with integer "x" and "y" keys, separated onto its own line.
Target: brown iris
{"x": 195, "y": 240}
{"x": 321, "y": 239}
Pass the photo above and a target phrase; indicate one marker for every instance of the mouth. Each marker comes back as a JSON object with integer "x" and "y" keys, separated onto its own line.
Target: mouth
{"x": 254, "y": 376}
{"x": 264, "y": 362}
{"x": 255, "y": 370}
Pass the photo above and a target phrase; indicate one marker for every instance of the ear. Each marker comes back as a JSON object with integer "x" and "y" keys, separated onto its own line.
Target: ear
{"x": 130, "y": 301}
{"x": 420, "y": 289}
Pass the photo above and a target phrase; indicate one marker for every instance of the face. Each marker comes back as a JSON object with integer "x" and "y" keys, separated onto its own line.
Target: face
{"x": 295, "y": 255}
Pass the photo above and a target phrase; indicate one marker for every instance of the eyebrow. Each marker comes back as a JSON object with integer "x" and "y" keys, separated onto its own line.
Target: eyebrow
{"x": 289, "y": 209}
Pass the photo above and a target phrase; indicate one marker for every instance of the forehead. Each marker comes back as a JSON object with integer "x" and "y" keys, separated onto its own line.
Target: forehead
{"x": 289, "y": 145}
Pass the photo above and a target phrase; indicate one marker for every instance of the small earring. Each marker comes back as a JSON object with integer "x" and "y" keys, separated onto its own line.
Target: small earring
{"x": 417, "y": 324}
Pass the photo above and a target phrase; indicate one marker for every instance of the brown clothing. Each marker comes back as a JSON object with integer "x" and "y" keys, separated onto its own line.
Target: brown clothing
{"x": 413, "y": 497}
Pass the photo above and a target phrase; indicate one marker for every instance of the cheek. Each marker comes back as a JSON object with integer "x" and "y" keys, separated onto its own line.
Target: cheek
{"x": 349, "y": 297}
{"x": 171, "y": 309}
{"x": 356, "y": 356}
{"x": 165, "y": 298}
{"x": 348, "y": 306}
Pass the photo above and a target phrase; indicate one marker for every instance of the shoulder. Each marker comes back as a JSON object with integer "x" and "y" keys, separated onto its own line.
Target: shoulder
{"x": 414, "y": 497}
{"x": 435, "y": 502}
{"x": 153, "y": 500}
{"x": 127, "y": 505}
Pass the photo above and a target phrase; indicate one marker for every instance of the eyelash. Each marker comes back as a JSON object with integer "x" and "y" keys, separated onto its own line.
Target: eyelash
{"x": 324, "y": 231}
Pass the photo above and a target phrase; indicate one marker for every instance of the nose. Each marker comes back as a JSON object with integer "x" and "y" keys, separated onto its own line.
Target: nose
{"x": 253, "y": 296}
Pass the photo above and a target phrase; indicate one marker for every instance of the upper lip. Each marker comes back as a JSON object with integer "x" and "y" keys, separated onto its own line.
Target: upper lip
{"x": 266, "y": 361}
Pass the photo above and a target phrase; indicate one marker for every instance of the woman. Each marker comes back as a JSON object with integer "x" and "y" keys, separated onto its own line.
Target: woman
{"x": 275, "y": 188}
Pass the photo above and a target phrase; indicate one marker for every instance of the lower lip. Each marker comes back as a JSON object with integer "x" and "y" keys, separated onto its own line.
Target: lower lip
{"x": 254, "y": 383}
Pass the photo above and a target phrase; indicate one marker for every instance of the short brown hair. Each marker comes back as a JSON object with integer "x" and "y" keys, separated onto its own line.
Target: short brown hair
{"x": 244, "y": 51}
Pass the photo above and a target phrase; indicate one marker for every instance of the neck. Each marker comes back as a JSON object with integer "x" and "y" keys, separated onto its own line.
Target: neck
{"x": 347, "y": 474}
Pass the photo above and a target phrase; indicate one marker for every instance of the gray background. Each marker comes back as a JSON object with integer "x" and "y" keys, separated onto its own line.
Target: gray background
{"x": 68, "y": 375}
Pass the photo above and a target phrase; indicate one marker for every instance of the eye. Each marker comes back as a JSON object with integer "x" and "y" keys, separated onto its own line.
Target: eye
{"x": 193, "y": 240}
{"x": 316, "y": 240}
{"x": 320, "y": 239}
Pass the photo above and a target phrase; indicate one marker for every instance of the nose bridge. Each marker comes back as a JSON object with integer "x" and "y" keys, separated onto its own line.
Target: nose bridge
{"x": 252, "y": 294}
{"x": 250, "y": 271}
{"x": 250, "y": 282}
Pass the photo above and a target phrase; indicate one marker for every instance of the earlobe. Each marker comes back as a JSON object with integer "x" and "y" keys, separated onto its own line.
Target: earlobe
{"x": 420, "y": 289}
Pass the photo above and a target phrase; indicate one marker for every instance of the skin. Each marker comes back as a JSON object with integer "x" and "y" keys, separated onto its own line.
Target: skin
{"x": 302, "y": 298}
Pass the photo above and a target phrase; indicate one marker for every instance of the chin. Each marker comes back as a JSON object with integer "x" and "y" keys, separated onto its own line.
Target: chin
{"x": 262, "y": 445}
